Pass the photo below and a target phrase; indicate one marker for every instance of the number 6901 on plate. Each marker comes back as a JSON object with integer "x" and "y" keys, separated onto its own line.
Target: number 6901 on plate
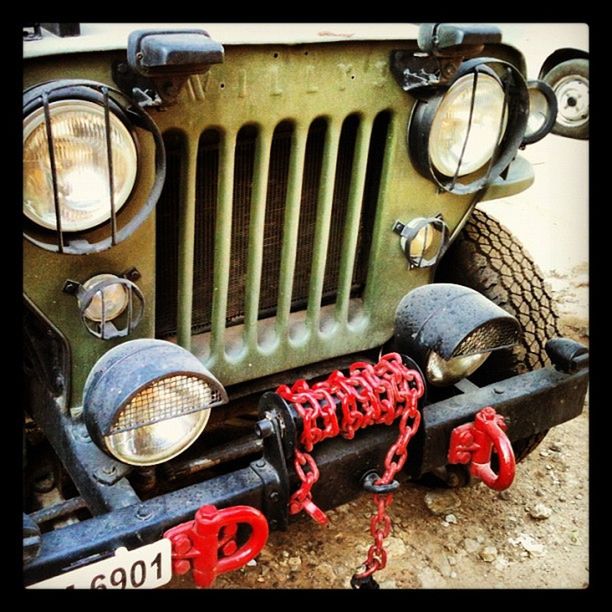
{"x": 147, "y": 567}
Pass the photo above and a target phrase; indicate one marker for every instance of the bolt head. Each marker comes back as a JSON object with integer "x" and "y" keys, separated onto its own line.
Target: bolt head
{"x": 143, "y": 514}
{"x": 182, "y": 544}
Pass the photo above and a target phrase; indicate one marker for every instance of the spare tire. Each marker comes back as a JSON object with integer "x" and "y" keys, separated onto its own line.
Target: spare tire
{"x": 570, "y": 82}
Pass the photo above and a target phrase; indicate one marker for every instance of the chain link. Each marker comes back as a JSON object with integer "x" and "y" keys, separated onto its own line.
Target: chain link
{"x": 372, "y": 394}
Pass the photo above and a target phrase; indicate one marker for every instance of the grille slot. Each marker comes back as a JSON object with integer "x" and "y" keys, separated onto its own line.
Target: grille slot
{"x": 282, "y": 144}
{"x": 207, "y": 188}
{"x": 167, "y": 230}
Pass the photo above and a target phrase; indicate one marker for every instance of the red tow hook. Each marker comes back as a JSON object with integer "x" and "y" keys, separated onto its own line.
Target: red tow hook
{"x": 473, "y": 442}
{"x": 207, "y": 544}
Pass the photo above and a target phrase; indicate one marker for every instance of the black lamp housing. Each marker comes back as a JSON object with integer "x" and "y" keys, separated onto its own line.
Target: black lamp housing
{"x": 547, "y": 92}
{"x": 452, "y": 321}
{"x": 127, "y": 370}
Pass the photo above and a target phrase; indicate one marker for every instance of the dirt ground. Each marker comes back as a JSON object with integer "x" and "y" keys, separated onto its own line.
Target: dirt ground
{"x": 534, "y": 535}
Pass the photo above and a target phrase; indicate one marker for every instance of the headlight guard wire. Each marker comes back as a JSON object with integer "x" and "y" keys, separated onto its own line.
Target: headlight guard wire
{"x": 516, "y": 101}
{"x": 113, "y": 101}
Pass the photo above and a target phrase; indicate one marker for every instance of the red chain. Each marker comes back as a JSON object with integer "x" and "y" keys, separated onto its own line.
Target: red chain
{"x": 370, "y": 395}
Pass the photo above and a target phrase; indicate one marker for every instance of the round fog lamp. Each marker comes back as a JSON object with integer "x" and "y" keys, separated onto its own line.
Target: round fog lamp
{"x": 542, "y": 111}
{"x": 107, "y": 303}
{"x": 146, "y": 401}
{"x": 450, "y": 330}
{"x": 447, "y": 371}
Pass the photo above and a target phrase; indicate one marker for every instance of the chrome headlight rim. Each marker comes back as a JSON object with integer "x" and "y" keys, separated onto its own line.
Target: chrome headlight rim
{"x": 424, "y": 111}
{"x": 450, "y": 371}
{"x": 551, "y": 99}
{"x": 142, "y": 198}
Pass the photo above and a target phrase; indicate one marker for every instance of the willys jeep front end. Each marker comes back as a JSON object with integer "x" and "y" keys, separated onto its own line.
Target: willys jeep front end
{"x": 250, "y": 286}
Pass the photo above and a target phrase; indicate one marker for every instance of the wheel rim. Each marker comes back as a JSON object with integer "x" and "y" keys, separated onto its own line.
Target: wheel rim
{"x": 573, "y": 99}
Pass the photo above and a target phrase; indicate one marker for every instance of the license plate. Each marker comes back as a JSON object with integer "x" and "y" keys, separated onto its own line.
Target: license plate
{"x": 147, "y": 567}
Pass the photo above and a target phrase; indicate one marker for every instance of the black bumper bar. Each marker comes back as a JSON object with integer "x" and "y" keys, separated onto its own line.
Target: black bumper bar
{"x": 531, "y": 403}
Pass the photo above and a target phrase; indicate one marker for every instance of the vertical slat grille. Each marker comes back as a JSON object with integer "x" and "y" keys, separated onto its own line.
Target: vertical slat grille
{"x": 346, "y": 151}
{"x": 376, "y": 156}
{"x": 282, "y": 143}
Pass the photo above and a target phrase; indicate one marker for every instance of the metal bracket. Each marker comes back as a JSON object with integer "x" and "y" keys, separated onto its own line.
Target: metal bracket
{"x": 31, "y": 31}
{"x": 140, "y": 88}
{"x": 278, "y": 430}
{"x": 110, "y": 474}
{"x": 443, "y": 46}
{"x": 414, "y": 70}
{"x": 159, "y": 62}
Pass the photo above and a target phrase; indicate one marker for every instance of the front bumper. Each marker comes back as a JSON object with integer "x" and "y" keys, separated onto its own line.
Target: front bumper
{"x": 531, "y": 403}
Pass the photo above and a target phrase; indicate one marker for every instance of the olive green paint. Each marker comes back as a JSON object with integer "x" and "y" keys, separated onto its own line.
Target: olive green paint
{"x": 290, "y": 228}
{"x": 264, "y": 85}
{"x": 223, "y": 238}
{"x": 256, "y": 234}
{"x": 186, "y": 240}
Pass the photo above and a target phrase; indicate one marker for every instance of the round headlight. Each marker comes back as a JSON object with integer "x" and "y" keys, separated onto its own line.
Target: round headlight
{"x": 132, "y": 442}
{"x": 146, "y": 401}
{"x": 109, "y": 302}
{"x": 81, "y": 163}
{"x": 462, "y": 138}
{"x": 465, "y": 131}
{"x": 442, "y": 371}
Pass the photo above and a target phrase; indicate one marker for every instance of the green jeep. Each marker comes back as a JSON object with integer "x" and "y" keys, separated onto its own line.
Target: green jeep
{"x": 256, "y": 284}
